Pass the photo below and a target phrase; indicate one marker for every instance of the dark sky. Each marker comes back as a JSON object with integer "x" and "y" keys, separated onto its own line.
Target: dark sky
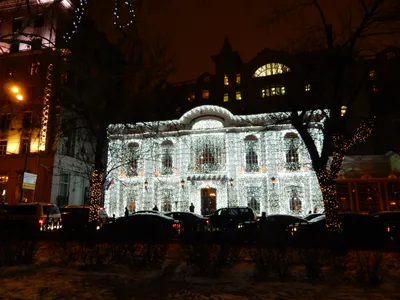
{"x": 195, "y": 29}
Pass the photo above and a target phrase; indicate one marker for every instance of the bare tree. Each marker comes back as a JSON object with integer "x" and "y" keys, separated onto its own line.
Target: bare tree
{"x": 339, "y": 55}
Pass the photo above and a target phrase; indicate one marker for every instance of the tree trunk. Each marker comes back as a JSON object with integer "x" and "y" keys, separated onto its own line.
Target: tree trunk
{"x": 327, "y": 182}
{"x": 97, "y": 178}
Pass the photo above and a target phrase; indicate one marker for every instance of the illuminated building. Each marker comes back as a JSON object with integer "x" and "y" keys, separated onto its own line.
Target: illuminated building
{"x": 32, "y": 138}
{"x": 213, "y": 159}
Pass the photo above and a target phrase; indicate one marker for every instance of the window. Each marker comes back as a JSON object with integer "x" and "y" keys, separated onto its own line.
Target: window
{"x": 205, "y": 94}
{"x": 3, "y": 147}
{"x": 27, "y": 120}
{"x": 207, "y": 154}
{"x": 133, "y": 165}
{"x": 238, "y": 79}
{"x": 238, "y": 96}
{"x": 226, "y": 79}
{"x": 251, "y": 149}
{"x": 34, "y": 70}
{"x": 24, "y": 146}
{"x": 273, "y": 90}
{"x": 307, "y": 87}
{"x": 191, "y": 97}
{"x": 166, "y": 204}
{"x": 295, "y": 202}
{"x": 17, "y": 25}
{"x": 11, "y": 72}
{"x": 372, "y": 74}
{"x": 166, "y": 167}
{"x": 292, "y": 156}
{"x": 5, "y": 121}
{"x": 39, "y": 21}
{"x": 226, "y": 97}
{"x": 63, "y": 191}
{"x": 271, "y": 69}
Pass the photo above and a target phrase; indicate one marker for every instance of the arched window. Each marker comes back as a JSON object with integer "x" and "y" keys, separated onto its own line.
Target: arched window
{"x": 292, "y": 144}
{"x": 166, "y": 205}
{"x": 167, "y": 162}
{"x": 207, "y": 154}
{"x": 251, "y": 148}
{"x": 167, "y": 198}
{"x": 295, "y": 202}
{"x": 271, "y": 69}
{"x": 133, "y": 158}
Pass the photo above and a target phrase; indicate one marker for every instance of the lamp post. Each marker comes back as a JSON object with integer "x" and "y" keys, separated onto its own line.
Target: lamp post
{"x": 183, "y": 183}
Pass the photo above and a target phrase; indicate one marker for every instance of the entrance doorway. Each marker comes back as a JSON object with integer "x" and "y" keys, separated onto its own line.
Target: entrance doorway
{"x": 208, "y": 200}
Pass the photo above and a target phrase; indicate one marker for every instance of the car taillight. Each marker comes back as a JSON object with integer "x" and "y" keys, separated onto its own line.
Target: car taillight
{"x": 42, "y": 221}
{"x": 176, "y": 225}
{"x": 207, "y": 222}
{"x": 388, "y": 228}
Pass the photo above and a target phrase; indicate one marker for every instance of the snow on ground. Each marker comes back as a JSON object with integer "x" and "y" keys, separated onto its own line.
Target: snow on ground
{"x": 175, "y": 280}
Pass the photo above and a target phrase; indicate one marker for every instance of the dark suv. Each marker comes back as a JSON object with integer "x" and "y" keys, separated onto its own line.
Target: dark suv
{"x": 232, "y": 218}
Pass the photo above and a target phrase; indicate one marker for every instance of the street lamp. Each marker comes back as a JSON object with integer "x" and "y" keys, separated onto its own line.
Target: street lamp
{"x": 231, "y": 181}
{"x": 273, "y": 180}
{"x": 182, "y": 183}
{"x": 146, "y": 184}
{"x": 17, "y": 92}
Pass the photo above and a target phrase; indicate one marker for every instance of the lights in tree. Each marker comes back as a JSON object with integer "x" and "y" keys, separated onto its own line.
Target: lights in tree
{"x": 96, "y": 191}
{"x": 117, "y": 15}
{"x": 207, "y": 155}
{"x": 46, "y": 107}
{"x": 77, "y": 19}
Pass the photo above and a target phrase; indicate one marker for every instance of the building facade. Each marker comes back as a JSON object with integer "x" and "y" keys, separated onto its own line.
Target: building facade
{"x": 33, "y": 138}
{"x": 213, "y": 159}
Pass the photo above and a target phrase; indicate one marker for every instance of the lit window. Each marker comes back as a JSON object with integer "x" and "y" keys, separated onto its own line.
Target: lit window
{"x": 253, "y": 198}
{"x": 343, "y": 110}
{"x": 372, "y": 74}
{"x": 295, "y": 202}
{"x": 271, "y": 69}
{"x": 34, "y": 70}
{"x": 307, "y": 87}
{"x": 238, "y": 96}
{"x": 205, "y": 94}
{"x": 226, "y": 97}
{"x": 273, "y": 90}
{"x": 191, "y": 97}
{"x": 133, "y": 152}
{"x": 238, "y": 79}
{"x": 11, "y": 72}
{"x": 226, "y": 79}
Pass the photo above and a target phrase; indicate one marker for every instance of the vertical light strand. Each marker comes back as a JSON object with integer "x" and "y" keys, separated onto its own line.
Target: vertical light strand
{"x": 96, "y": 189}
{"x": 46, "y": 107}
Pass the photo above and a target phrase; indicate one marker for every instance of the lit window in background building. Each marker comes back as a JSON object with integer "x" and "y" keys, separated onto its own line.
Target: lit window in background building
{"x": 226, "y": 97}
{"x": 226, "y": 79}
{"x": 271, "y": 69}
{"x": 238, "y": 96}
{"x": 205, "y": 94}
{"x": 372, "y": 74}
{"x": 34, "y": 70}
{"x": 191, "y": 97}
{"x": 273, "y": 90}
{"x": 238, "y": 79}
{"x": 307, "y": 87}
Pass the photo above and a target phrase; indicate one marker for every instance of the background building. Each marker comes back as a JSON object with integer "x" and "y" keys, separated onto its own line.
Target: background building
{"x": 35, "y": 131}
{"x": 214, "y": 159}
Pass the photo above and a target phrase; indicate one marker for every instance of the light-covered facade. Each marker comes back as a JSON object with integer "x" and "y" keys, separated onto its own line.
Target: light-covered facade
{"x": 213, "y": 159}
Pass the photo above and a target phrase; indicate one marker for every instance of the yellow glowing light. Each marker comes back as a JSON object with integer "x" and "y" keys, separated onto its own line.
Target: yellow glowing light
{"x": 19, "y": 97}
{"x": 15, "y": 90}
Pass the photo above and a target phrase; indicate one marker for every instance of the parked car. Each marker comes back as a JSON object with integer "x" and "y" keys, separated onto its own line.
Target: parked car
{"x": 41, "y": 216}
{"x": 148, "y": 212}
{"x": 358, "y": 231}
{"x": 285, "y": 223}
{"x": 76, "y": 217}
{"x": 312, "y": 216}
{"x": 144, "y": 226}
{"x": 233, "y": 218}
{"x": 189, "y": 221}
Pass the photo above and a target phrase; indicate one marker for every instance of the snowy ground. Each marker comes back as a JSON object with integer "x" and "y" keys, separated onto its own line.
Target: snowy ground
{"x": 175, "y": 280}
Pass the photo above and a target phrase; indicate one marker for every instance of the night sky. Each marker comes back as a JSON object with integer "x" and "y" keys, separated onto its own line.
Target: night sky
{"x": 195, "y": 29}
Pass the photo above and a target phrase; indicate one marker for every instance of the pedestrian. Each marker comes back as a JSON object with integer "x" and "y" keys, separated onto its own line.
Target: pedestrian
{"x": 315, "y": 210}
{"x": 126, "y": 212}
{"x": 155, "y": 208}
{"x": 191, "y": 207}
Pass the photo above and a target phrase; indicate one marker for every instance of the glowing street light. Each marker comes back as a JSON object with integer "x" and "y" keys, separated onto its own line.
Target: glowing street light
{"x": 15, "y": 89}
{"x": 19, "y": 97}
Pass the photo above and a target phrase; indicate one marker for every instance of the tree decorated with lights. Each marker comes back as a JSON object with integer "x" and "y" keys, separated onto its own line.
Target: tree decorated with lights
{"x": 340, "y": 52}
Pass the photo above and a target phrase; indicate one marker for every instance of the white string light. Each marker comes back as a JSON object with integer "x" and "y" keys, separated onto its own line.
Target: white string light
{"x": 117, "y": 15}
{"x": 77, "y": 20}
